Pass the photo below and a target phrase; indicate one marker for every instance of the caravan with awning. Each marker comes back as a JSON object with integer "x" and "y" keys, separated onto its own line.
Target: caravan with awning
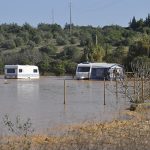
{"x": 99, "y": 71}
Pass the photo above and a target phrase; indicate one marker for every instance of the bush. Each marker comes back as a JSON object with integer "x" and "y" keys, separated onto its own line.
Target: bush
{"x": 71, "y": 52}
{"x": 18, "y": 41}
{"x": 49, "y": 49}
{"x": 9, "y": 44}
{"x": 61, "y": 41}
{"x": 58, "y": 67}
{"x": 73, "y": 40}
{"x": 37, "y": 39}
{"x": 18, "y": 127}
{"x": 70, "y": 67}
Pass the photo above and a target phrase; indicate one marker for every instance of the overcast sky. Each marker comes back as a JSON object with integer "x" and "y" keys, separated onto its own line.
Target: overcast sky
{"x": 84, "y": 12}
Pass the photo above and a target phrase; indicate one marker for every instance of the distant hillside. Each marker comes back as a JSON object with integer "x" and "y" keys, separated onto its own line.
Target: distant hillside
{"x": 57, "y": 50}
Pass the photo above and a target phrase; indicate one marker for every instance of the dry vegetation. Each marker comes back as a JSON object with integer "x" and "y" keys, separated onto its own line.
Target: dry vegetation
{"x": 116, "y": 135}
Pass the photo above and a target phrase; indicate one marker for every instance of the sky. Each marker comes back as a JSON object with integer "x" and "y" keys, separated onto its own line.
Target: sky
{"x": 83, "y": 12}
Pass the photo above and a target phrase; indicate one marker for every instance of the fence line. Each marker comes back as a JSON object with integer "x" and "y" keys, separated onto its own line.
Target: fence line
{"x": 136, "y": 87}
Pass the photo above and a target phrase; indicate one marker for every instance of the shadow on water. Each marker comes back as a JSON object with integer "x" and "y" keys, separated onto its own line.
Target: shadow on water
{"x": 43, "y": 101}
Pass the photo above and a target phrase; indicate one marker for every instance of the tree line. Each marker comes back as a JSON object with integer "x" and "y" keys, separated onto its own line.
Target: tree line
{"x": 139, "y": 24}
{"x": 57, "y": 51}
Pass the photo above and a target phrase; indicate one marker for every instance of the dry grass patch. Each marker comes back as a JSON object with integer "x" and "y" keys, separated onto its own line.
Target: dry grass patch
{"x": 116, "y": 135}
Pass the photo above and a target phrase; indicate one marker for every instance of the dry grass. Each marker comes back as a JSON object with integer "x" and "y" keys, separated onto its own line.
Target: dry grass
{"x": 131, "y": 134}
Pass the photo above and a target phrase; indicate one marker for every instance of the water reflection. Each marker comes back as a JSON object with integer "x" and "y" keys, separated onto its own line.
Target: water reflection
{"x": 42, "y": 101}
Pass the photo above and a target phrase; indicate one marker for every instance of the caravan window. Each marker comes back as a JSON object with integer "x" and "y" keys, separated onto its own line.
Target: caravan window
{"x": 35, "y": 70}
{"x": 20, "y": 70}
{"x": 83, "y": 69}
{"x": 10, "y": 70}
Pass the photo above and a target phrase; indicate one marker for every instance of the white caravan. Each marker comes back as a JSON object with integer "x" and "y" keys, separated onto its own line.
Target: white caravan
{"x": 99, "y": 71}
{"x": 21, "y": 72}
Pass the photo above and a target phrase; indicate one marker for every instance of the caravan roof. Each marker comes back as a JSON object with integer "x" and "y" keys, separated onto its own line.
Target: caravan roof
{"x": 16, "y": 66}
{"x": 100, "y": 65}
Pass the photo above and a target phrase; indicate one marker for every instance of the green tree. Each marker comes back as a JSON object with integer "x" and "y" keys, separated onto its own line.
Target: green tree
{"x": 44, "y": 64}
{"x": 49, "y": 49}
{"x": 18, "y": 41}
{"x": 73, "y": 40}
{"x": 27, "y": 27}
{"x": 58, "y": 67}
{"x": 85, "y": 56}
{"x": 113, "y": 35}
{"x": 94, "y": 53}
{"x": 85, "y": 39}
{"x": 31, "y": 44}
{"x": 56, "y": 28}
{"x": 37, "y": 39}
{"x": 71, "y": 53}
{"x": 70, "y": 67}
{"x": 147, "y": 21}
{"x": 140, "y": 23}
{"x": 2, "y": 38}
{"x": 61, "y": 40}
{"x": 1, "y": 65}
{"x": 14, "y": 28}
{"x": 133, "y": 23}
{"x": 140, "y": 48}
{"x": 47, "y": 35}
{"x": 118, "y": 55}
{"x": 9, "y": 44}
{"x": 44, "y": 27}
{"x": 24, "y": 35}
{"x": 29, "y": 56}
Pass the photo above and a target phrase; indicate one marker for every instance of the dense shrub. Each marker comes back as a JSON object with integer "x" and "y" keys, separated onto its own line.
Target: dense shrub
{"x": 9, "y": 44}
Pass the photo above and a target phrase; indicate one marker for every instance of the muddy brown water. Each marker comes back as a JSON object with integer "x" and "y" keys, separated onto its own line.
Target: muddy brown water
{"x": 42, "y": 100}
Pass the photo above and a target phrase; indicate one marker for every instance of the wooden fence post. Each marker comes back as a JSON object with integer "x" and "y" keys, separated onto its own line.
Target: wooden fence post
{"x": 142, "y": 89}
{"x": 116, "y": 88}
{"x": 64, "y": 91}
{"x": 134, "y": 86}
{"x": 104, "y": 92}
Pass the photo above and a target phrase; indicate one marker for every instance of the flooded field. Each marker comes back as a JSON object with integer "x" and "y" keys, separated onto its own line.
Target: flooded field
{"x": 42, "y": 100}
